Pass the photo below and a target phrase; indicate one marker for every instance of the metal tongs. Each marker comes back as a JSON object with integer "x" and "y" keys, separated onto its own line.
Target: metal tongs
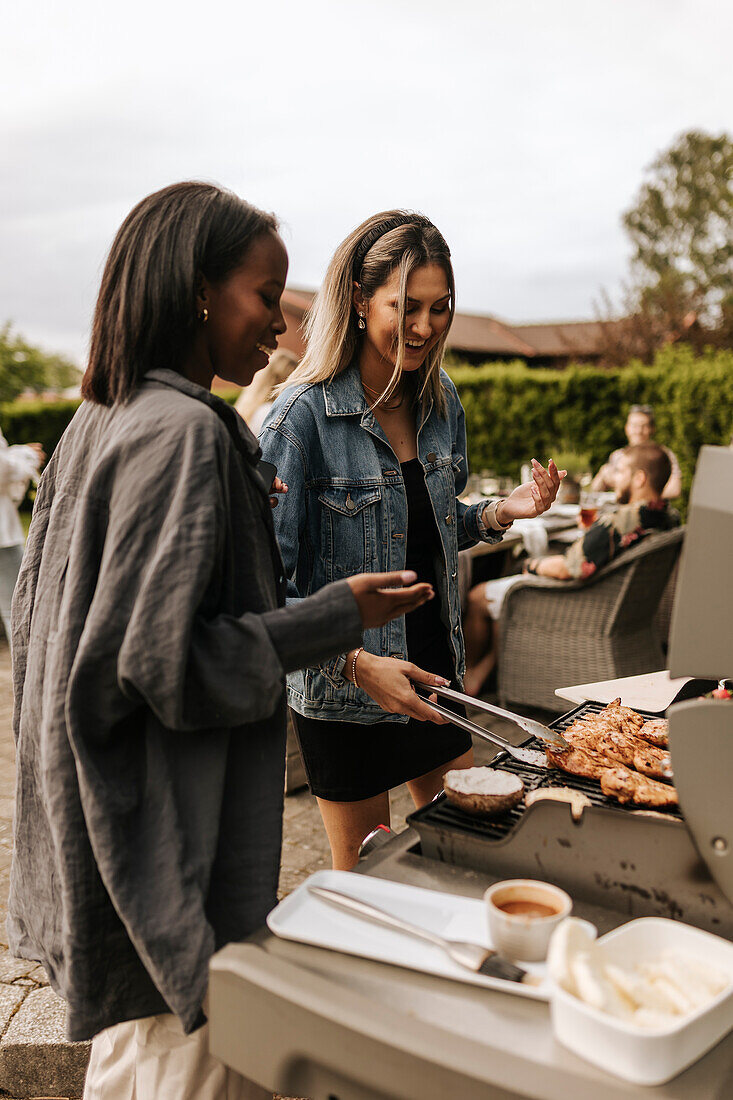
{"x": 529, "y": 725}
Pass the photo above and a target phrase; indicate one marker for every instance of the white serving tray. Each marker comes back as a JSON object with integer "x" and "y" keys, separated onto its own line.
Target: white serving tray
{"x": 307, "y": 919}
{"x": 649, "y": 1056}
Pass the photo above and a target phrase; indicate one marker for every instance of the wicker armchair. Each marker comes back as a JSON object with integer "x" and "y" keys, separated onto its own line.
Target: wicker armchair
{"x": 555, "y": 633}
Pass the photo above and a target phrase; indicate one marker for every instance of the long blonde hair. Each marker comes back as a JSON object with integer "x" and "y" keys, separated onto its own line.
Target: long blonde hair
{"x": 265, "y": 384}
{"x": 392, "y": 240}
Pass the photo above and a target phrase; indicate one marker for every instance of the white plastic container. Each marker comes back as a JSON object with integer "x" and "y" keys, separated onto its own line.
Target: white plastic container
{"x": 648, "y": 1056}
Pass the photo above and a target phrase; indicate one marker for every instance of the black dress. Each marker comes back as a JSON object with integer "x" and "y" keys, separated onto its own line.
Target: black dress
{"x": 349, "y": 761}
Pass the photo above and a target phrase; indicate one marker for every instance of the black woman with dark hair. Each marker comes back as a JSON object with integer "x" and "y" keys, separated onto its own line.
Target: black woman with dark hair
{"x": 150, "y": 645}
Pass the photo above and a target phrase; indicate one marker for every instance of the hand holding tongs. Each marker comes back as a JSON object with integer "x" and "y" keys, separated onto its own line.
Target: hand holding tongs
{"x": 529, "y": 725}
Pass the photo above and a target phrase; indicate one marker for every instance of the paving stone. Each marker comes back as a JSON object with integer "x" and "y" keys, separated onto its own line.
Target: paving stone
{"x": 38, "y": 974}
{"x": 35, "y": 1058}
{"x": 11, "y": 969}
{"x": 11, "y": 998}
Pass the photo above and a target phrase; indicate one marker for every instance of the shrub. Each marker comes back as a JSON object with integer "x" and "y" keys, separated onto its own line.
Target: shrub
{"x": 36, "y": 421}
{"x": 514, "y": 412}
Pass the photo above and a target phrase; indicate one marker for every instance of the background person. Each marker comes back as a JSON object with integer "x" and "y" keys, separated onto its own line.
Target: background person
{"x": 640, "y": 472}
{"x": 150, "y": 647}
{"x": 255, "y": 401}
{"x": 19, "y": 465}
{"x": 640, "y": 427}
{"x": 370, "y": 438}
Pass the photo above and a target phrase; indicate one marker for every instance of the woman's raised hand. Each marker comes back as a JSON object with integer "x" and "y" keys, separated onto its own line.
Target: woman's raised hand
{"x": 389, "y": 682}
{"x": 534, "y": 497}
{"x": 384, "y": 596}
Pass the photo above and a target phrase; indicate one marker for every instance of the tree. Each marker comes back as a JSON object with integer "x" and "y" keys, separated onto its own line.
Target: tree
{"x": 650, "y": 317}
{"x": 24, "y": 368}
{"x": 681, "y": 284}
{"x": 681, "y": 225}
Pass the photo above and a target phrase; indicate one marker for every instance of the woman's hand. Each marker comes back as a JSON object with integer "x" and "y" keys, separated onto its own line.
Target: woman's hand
{"x": 389, "y": 683}
{"x": 277, "y": 486}
{"x": 382, "y": 596}
{"x": 534, "y": 497}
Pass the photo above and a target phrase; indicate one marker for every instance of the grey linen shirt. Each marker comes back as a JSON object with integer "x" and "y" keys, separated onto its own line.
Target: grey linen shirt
{"x": 150, "y": 645}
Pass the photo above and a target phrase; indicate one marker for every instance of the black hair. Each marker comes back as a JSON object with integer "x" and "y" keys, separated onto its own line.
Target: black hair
{"x": 145, "y": 314}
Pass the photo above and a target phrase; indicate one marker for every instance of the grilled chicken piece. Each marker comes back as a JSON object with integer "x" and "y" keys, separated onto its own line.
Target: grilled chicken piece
{"x": 653, "y": 762}
{"x": 606, "y": 734}
{"x": 656, "y": 732}
{"x": 628, "y": 786}
{"x": 625, "y": 719}
{"x": 608, "y": 746}
{"x": 606, "y": 739}
{"x": 577, "y": 761}
{"x": 600, "y": 741}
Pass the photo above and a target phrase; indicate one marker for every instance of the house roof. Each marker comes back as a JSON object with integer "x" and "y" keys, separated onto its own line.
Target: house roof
{"x": 478, "y": 333}
{"x": 562, "y": 338}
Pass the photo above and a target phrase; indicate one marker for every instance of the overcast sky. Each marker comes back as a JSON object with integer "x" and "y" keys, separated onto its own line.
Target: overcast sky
{"x": 521, "y": 127}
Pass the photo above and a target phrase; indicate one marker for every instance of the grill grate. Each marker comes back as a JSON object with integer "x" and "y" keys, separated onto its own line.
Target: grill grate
{"x": 444, "y": 814}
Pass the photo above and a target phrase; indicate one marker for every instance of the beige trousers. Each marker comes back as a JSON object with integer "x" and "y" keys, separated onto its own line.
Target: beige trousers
{"x": 152, "y": 1059}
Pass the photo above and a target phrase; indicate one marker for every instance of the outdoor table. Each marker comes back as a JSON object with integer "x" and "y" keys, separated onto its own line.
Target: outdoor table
{"x": 559, "y": 529}
{"x": 511, "y": 539}
{"x": 568, "y": 535}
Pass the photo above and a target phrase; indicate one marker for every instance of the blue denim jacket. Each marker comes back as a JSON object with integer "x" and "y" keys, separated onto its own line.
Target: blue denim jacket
{"x": 346, "y": 512}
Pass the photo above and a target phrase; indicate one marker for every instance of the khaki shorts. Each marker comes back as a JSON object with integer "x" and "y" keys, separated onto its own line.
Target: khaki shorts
{"x": 152, "y": 1059}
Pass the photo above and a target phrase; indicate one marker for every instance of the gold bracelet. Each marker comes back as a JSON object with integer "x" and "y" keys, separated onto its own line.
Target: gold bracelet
{"x": 353, "y": 665}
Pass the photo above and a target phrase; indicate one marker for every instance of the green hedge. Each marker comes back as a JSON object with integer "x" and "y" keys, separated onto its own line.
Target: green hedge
{"x": 36, "y": 421}
{"x": 514, "y": 412}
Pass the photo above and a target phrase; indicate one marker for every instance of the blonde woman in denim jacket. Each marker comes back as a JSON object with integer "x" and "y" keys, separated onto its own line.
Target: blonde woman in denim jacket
{"x": 369, "y": 437}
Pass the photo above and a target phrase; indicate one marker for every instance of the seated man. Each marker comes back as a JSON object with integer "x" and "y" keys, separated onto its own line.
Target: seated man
{"x": 641, "y": 472}
{"x": 640, "y": 427}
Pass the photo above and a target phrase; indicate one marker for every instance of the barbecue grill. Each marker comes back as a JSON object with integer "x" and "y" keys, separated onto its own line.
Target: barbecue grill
{"x": 642, "y": 862}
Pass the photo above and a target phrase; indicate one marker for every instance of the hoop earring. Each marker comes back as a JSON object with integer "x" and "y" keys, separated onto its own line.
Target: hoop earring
{"x": 203, "y": 315}
{"x": 361, "y": 322}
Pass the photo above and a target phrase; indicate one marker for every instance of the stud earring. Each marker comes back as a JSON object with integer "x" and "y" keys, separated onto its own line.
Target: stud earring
{"x": 361, "y": 322}
{"x": 203, "y": 315}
